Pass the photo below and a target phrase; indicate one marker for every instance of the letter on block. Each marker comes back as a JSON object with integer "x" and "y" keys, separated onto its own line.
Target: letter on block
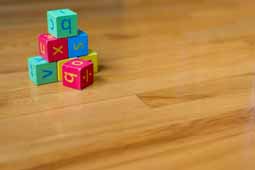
{"x": 40, "y": 71}
{"x": 59, "y": 65}
{"x": 51, "y": 48}
{"x": 62, "y": 23}
{"x": 78, "y": 45}
{"x": 77, "y": 73}
{"x": 93, "y": 57}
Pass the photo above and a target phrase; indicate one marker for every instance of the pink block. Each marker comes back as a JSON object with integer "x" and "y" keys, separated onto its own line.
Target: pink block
{"x": 51, "y": 48}
{"x": 77, "y": 73}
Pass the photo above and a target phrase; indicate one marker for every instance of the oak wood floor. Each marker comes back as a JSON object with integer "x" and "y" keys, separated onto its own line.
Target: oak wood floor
{"x": 175, "y": 89}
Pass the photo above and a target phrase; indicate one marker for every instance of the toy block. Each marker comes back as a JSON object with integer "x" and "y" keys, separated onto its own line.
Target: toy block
{"x": 93, "y": 57}
{"x": 40, "y": 71}
{"x": 78, "y": 45}
{"x": 51, "y": 48}
{"x": 59, "y": 66}
{"x": 77, "y": 73}
{"x": 62, "y": 23}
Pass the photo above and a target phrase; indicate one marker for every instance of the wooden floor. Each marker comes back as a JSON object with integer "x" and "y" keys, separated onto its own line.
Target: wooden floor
{"x": 175, "y": 89}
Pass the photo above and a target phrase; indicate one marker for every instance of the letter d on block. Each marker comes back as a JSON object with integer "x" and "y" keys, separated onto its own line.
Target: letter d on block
{"x": 66, "y": 25}
{"x": 69, "y": 77}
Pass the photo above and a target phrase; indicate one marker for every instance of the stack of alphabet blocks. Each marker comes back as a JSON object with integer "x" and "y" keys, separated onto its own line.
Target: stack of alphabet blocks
{"x": 63, "y": 53}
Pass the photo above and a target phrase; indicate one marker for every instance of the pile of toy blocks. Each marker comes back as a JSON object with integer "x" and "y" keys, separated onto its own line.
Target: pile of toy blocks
{"x": 63, "y": 53}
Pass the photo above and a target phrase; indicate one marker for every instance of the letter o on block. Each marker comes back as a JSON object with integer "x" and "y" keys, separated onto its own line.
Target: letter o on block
{"x": 77, "y": 62}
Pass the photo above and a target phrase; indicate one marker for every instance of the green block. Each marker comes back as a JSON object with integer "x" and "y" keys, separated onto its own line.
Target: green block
{"x": 42, "y": 72}
{"x": 62, "y": 23}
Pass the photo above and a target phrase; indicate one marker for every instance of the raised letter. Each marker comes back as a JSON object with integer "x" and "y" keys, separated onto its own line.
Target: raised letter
{"x": 52, "y": 24}
{"x": 77, "y": 47}
{"x": 77, "y": 63}
{"x": 69, "y": 77}
{"x": 66, "y": 25}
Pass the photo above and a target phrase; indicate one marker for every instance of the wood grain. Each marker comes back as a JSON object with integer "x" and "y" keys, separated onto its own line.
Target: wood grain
{"x": 175, "y": 88}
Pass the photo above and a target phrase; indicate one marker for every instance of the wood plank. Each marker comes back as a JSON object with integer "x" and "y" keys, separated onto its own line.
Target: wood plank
{"x": 175, "y": 88}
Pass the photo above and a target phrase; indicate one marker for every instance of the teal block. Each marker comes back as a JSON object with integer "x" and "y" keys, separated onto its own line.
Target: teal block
{"x": 42, "y": 72}
{"x": 62, "y": 23}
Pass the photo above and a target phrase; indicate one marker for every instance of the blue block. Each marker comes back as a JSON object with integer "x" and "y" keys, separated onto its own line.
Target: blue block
{"x": 78, "y": 45}
{"x": 62, "y": 23}
{"x": 40, "y": 71}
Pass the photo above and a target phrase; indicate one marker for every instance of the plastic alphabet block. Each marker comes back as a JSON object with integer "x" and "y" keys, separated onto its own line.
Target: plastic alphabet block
{"x": 78, "y": 45}
{"x": 51, "y": 48}
{"x": 40, "y": 71}
{"x": 62, "y": 23}
{"x": 59, "y": 66}
{"x": 93, "y": 57}
{"x": 77, "y": 73}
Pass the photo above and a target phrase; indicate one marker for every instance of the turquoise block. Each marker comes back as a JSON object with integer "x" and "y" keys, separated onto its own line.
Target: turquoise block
{"x": 62, "y": 23}
{"x": 42, "y": 72}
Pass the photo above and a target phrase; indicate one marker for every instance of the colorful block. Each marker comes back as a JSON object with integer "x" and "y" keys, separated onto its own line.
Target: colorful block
{"x": 51, "y": 48}
{"x": 93, "y": 57}
{"x": 77, "y": 73}
{"x": 40, "y": 71}
{"x": 62, "y": 23}
{"x": 59, "y": 66}
{"x": 78, "y": 45}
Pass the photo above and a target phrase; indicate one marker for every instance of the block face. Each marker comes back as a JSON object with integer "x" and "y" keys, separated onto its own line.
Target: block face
{"x": 52, "y": 24}
{"x": 62, "y": 23}
{"x": 77, "y": 73}
{"x": 32, "y": 69}
{"x": 87, "y": 75}
{"x": 52, "y": 49}
{"x": 59, "y": 67}
{"x": 93, "y": 57}
{"x": 78, "y": 45}
{"x": 42, "y": 72}
{"x": 47, "y": 73}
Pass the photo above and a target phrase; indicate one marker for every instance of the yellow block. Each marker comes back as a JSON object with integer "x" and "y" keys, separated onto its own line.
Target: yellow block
{"x": 59, "y": 65}
{"x": 93, "y": 57}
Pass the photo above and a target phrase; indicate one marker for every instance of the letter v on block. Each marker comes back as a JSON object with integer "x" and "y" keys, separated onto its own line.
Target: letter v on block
{"x": 47, "y": 73}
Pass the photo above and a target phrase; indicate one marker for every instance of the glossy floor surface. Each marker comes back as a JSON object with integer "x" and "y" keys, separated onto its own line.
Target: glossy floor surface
{"x": 175, "y": 88}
